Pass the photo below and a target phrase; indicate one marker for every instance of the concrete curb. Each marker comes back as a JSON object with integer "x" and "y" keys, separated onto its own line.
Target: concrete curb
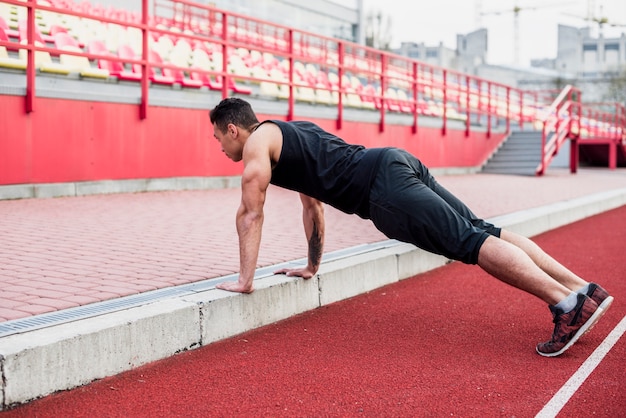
{"x": 100, "y": 187}
{"x": 39, "y": 362}
{"x": 86, "y": 188}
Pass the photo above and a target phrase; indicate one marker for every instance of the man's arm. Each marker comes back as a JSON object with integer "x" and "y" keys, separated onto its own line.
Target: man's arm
{"x": 255, "y": 179}
{"x": 313, "y": 219}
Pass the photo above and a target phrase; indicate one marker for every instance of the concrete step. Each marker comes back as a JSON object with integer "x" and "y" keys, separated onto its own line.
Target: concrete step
{"x": 519, "y": 155}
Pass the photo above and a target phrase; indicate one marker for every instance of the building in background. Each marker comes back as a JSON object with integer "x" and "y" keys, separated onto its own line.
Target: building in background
{"x": 439, "y": 56}
{"x": 471, "y": 50}
{"x": 589, "y": 62}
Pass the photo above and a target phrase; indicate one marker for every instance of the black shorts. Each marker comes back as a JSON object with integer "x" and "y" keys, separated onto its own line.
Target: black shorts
{"x": 407, "y": 204}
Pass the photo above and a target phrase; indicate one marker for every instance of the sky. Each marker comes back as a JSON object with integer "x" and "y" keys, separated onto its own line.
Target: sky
{"x": 439, "y": 21}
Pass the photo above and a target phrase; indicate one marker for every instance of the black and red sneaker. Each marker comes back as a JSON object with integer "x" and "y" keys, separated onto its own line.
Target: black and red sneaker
{"x": 570, "y": 326}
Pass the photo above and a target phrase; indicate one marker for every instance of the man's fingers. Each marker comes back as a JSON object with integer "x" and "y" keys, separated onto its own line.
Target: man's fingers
{"x": 304, "y": 273}
{"x": 291, "y": 272}
{"x": 288, "y": 272}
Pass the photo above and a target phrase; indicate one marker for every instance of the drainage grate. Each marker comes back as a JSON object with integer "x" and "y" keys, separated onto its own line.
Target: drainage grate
{"x": 21, "y": 325}
{"x": 99, "y": 308}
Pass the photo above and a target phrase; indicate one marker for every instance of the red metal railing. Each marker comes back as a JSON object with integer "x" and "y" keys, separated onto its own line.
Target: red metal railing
{"x": 582, "y": 123}
{"x": 426, "y": 90}
{"x": 604, "y": 120}
{"x": 604, "y": 123}
{"x": 388, "y": 83}
{"x": 561, "y": 122}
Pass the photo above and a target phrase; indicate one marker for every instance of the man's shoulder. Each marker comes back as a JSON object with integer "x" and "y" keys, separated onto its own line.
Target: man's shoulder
{"x": 267, "y": 133}
{"x": 267, "y": 139}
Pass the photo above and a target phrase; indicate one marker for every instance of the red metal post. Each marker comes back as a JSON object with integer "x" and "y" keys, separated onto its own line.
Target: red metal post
{"x": 488, "y": 109}
{"x": 143, "y": 106}
{"x": 467, "y": 106}
{"x": 415, "y": 86}
{"x": 292, "y": 97}
{"x": 573, "y": 155}
{"x": 225, "y": 76}
{"x": 521, "y": 110}
{"x": 29, "y": 103}
{"x": 383, "y": 87}
{"x": 340, "y": 53}
{"x": 445, "y": 103}
{"x": 612, "y": 155}
{"x": 508, "y": 110}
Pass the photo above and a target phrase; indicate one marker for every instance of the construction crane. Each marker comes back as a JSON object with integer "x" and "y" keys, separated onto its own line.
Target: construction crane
{"x": 600, "y": 20}
{"x": 516, "y": 32}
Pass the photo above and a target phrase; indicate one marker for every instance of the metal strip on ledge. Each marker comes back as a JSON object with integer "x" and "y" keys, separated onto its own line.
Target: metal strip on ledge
{"x": 32, "y": 323}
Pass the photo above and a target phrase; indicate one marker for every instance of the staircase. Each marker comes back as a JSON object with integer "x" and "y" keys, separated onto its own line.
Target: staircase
{"x": 519, "y": 155}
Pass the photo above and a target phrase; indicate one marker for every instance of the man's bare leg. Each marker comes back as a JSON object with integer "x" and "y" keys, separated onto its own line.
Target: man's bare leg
{"x": 512, "y": 265}
{"x": 545, "y": 262}
{"x": 574, "y": 313}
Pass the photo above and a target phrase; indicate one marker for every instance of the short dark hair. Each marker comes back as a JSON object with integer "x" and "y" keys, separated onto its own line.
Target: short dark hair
{"x": 233, "y": 110}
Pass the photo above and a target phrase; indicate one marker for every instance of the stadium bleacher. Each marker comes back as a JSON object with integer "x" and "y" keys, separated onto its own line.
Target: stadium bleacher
{"x": 189, "y": 54}
{"x": 194, "y": 60}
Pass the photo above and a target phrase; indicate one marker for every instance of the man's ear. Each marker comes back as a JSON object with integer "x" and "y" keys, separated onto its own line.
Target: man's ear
{"x": 232, "y": 130}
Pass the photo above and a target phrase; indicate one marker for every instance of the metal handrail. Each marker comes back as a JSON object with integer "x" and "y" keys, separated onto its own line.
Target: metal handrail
{"x": 562, "y": 121}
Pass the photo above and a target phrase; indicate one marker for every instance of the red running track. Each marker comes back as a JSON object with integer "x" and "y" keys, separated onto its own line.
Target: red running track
{"x": 450, "y": 342}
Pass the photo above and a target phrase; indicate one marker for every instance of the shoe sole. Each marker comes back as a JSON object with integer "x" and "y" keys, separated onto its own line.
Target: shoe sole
{"x": 582, "y": 330}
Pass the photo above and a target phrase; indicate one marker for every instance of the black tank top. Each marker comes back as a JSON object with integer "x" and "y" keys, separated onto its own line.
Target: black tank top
{"x": 325, "y": 167}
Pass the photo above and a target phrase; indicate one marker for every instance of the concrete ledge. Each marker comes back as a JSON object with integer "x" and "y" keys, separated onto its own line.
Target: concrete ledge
{"x": 352, "y": 276}
{"x": 17, "y": 191}
{"x": 535, "y": 221}
{"x": 39, "y": 362}
{"x": 85, "y": 188}
{"x": 412, "y": 261}
{"x": 224, "y": 314}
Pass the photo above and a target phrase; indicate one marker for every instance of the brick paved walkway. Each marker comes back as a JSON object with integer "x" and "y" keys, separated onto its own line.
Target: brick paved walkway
{"x": 66, "y": 252}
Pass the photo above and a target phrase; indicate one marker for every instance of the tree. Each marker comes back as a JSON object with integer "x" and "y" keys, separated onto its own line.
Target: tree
{"x": 378, "y": 30}
{"x": 560, "y": 83}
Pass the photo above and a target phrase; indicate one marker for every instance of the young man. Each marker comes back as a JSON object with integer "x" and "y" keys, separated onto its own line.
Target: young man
{"x": 396, "y": 191}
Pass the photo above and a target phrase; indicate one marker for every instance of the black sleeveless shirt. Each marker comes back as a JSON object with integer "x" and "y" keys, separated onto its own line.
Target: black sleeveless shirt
{"x": 323, "y": 166}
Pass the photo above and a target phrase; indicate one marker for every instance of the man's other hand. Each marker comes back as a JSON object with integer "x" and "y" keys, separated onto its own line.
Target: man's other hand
{"x": 235, "y": 287}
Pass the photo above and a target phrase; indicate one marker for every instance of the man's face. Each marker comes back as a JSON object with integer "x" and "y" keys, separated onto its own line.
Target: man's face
{"x": 228, "y": 140}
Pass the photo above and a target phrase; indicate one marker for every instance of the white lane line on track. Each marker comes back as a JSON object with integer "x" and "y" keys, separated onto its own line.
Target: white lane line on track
{"x": 558, "y": 401}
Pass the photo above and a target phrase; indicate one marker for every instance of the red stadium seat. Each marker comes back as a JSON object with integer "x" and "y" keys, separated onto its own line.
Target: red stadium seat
{"x": 39, "y": 37}
{"x": 238, "y": 88}
{"x": 206, "y": 80}
{"x": 179, "y": 56}
{"x": 63, "y": 39}
{"x": 117, "y": 68}
{"x": 23, "y": 33}
{"x": 54, "y": 29}
{"x": 11, "y": 33}
{"x": 7, "y": 61}
{"x": 156, "y": 74}
{"x": 202, "y": 61}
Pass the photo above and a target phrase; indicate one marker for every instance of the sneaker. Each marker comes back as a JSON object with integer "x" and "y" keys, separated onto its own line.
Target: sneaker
{"x": 570, "y": 326}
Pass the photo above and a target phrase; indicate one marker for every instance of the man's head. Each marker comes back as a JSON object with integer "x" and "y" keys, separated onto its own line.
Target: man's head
{"x": 233, "y": 110}
{"x": 233, "y": 120}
